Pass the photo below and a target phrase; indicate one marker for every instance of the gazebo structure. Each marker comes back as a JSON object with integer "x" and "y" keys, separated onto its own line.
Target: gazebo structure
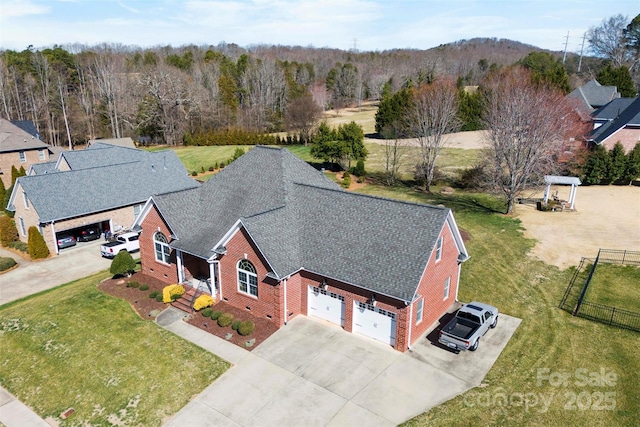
{"x": 574, "y": 182}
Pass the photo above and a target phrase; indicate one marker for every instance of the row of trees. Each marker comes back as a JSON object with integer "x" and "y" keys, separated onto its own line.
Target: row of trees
{"x": 613, "y": 166}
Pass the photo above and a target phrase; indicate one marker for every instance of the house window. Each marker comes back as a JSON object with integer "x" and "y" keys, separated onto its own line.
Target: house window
{"x": 26, "y": 200}
{"x": 23, "y": 157}
{"x": 137, "y": 209}
{"x": 439, "y": 249}
{"x": 41, "y": 155}
{"x": 419, "y": 311}
{"x": 447, "y": 284}
{"x": 247, "y": 278}
{"x": 23, "y": 230}
{"x": 163, "y": 251}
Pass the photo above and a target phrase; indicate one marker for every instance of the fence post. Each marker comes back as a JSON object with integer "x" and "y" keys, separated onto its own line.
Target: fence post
{"x": 586, "y": 285}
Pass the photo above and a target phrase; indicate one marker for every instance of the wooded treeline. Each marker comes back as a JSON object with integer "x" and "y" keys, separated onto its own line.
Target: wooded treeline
{"x": 75, "y": 93}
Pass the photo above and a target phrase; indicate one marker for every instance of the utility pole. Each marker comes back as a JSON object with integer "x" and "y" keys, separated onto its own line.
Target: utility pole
{"x": 566, "y": 42}
{"x": 584, "y": 36}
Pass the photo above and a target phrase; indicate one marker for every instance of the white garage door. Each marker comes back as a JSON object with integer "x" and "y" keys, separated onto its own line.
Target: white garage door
{"x": 374, "y": 322}
{"x": 326, "y": 305}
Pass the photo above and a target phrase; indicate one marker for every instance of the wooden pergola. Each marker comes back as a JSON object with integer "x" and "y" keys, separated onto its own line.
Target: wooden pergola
{"x": 573, "y": 181}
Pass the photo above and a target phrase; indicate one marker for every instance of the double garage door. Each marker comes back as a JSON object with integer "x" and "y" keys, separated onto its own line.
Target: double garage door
{"x": 368, "y": 320}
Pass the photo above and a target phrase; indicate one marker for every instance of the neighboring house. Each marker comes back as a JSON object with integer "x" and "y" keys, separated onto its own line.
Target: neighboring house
{"x": 27, "y": 126}
{"x": 104, "y": 186}
{"x": 121, "y": 142}
{"x": 19, "y": 148}
{"x": 271, "y": 235}
{"x": 593, "y": 95}
{"x": 619, "y": 120}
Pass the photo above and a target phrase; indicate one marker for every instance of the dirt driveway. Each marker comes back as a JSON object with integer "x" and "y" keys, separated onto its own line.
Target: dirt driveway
{"x": 606, "y": 217}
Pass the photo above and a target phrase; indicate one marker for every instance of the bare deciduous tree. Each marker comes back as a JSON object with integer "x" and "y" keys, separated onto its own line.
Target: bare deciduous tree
{"x": 526, "y": 125}
{"x": 432, "y": 117}
{"x": 302, "y": 114}
{"x": 608, "y": 40}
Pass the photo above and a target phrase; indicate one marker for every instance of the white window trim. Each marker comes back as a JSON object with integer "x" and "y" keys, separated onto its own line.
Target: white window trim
{"x": 420, "y": 311}
{"x": 41, "y": 155}
{"x": 26, "y": 200}
{"x": 23, "y": 230}
{"x": 23, "y": 156}
{"x": 164, "y": 249}
{"x": 439, "y": 249}
{"x": 447, "y": 286}
{"x": 249, "y": 274}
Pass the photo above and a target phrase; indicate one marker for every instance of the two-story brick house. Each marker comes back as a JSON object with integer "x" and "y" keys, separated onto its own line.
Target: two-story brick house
{"x": 271, "y": 235}
{"x": 20, "y": 149}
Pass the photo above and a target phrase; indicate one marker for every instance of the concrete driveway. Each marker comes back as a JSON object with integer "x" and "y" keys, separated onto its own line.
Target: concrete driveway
{"x": 311, "y": 373}
{"x": 35, "y": 276}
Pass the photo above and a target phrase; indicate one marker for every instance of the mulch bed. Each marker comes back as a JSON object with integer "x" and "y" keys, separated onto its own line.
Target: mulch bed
{"x": 149, "y": 308}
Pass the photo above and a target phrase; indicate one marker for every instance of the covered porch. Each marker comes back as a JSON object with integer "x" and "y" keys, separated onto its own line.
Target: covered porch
{"x": 197, "y": 273}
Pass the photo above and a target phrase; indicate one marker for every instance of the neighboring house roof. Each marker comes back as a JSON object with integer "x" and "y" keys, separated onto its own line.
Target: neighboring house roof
{"x": 12, "y": 138}
{"x": 27, "y": 126}
{"x": 121, "y": 142}
{"x": 628, "y": 117}
{"x": 100, "y": 154}
{"x": 61, "y": 195}
{"x": 42, "y": 168}
{"x": 612, "y": 109}
{"x": 593, "y": 95}
{"x": 301, "y": 220}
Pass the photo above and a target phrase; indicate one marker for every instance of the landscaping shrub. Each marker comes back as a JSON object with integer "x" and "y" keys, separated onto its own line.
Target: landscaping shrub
{"x": 235, "y": 325}
{"x": 8, "y": 230}
{"x": 159, "y": 297}
{"x": 144, "y": 287}
{"x": 201, "y": 169}
{"x": 221, "y": 165}
{"x": 225, "y": 319}
{"x": 6, "y": 263}
{"x": 122, "y": 264}
{"x": 211, "y": 169}
{"x": 207, "y": 312}
{"x": 246, "y": 327}
{"x": 346, "y": 180}
{"x": 155, "y": 294}
{"x": 194, "y": 173}
{"x": 133, "y": 284}
{"x": 203, "y": 301}
{"x": 37, "y": 247}
{"x": 215, "y": 315}
{"x": 172, "y": 292}
{"x": 19, "y": 245}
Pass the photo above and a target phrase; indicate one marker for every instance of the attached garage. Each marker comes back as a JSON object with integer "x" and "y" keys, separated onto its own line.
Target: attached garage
{"x": 326, "y": 305}
{"x": 374, "y": 322}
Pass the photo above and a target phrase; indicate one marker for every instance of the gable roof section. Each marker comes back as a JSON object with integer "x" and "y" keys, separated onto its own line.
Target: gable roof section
{"x": 27, "y": 126}
{"x": 68, "y": 194}
{"x": 299, "y": 219}
{"x": 42, "y": 168}
{"x": 12, "y": 138}
{"x": 630, "y": 116}
{"x": 121, "y": 142}
{"x": 593, "y": 95}
{"x": 100, "y": 154}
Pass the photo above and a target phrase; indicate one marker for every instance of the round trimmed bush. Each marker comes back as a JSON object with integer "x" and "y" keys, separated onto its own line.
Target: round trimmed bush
{"x": 6, "y": 263}
{"x": 246, "y": 327}
{"x": 235, "y": 325}
{"x": 144, "y": 287}
{"x": 206, "y": 312}
{"x": 225, "y": 319}
{"x": 159, "y": 298}
{"x": 215, "y": 315}
{"x": 154, "y": 294}
{"x": 132, "y": 284}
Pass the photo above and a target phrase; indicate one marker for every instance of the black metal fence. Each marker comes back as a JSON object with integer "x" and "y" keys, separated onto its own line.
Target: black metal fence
{"x": 574, "y": 301}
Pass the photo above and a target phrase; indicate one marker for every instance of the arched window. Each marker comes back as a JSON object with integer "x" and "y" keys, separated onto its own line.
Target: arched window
{"x": 163, "y": 251}
{"x": 247, "y": 278}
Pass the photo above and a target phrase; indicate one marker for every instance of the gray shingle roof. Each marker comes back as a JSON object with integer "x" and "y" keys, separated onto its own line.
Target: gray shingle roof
{"x": 12, "y": 138}
{"x": 300, "y": 219}
{"x": 43, "y": 168}
{"x": 594, "y": 95}
{"x": 629, "y": 116}
{"x": 103, "y": 155}
{"x": 68, "y": 194}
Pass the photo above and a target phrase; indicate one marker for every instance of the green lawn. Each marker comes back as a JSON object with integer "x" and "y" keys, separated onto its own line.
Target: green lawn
{"x": 615, "y": 286}
{"x": 194, "y": 158}
{"x": 77, "y": 347}
{"x": 500, "y": 273}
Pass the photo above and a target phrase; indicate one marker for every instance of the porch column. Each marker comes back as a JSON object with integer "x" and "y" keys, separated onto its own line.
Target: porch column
{"x": 546, "y": 194}
{"x": 180, "y": 266}
{"x": 212, "y": 277}
{"x": 572, "y": 195}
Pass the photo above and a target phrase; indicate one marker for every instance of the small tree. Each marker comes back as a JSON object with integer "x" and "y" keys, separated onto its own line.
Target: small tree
{"x": 123, "y": 264}
{"x": 8, "y": 230}
{"x": 632, "y": 169}
{"x": 596, "y": 166}
{"x": 3, "y": 191}
{"x": 37, "y": 247}
{"x": 617, "y": 162}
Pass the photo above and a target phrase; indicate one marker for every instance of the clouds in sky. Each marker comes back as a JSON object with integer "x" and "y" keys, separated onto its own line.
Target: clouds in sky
{"x": 369, "y": 24}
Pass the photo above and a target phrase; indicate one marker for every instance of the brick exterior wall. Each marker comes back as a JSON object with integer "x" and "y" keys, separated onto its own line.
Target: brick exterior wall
{"x": 629, "y": 137}
{"x": 13, "y": 159}
{"x": 153, "y": 223}
{"x": 121, "y": 216}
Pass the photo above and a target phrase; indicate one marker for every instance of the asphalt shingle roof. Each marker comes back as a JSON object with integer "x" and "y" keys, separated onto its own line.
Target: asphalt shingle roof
{"x": 629, "y": 116}
{"x": 301, "y": 220}
{"x": 594, "y": 95}
{"x": 100, "y": 154}
{"x": 12, "y": 138}
{"x": 68, "y": 194}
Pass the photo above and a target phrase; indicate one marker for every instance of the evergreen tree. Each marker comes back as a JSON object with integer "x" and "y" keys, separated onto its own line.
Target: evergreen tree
{"x": 617, "y": 162}
{"x": 14, "y": 175}
{"x": 123, "y": 264}
{"x": 37, "y": 247}
{"x": 632, "y": 167}
{"x": 619, "y": 77}
{"x": 596, "y": 167}
{"x": 3, "y": 192}
{"x": 470, "y": 110}
{"x": 548, "y": 70}
{"x": 8, "y": 230}
{"x": 391, "y": 113}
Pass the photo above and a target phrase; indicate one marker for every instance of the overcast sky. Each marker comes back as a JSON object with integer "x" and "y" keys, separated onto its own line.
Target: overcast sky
{"x": 344, "y": 24}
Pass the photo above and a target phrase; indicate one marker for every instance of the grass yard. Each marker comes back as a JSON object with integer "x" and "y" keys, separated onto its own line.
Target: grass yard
{"x": 194, "y": 158}
{"x": 75, "y": 347}
{"x": 616, "y": 286}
